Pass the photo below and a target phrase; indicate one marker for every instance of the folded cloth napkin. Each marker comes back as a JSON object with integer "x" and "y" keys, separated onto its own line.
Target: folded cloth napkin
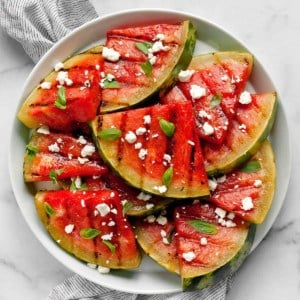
{"x": 37, "y": 25}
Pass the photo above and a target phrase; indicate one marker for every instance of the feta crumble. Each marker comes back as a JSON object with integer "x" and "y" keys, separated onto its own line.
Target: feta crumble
{"x": 161, "y": 220}
{"x": 196, "y": 91}
{"x": 247, "y": 203}
{"x": 130, "y": 137}
{"x": 142, "y": 153}
{"x": 185, "y": 75}
{"x": 103, "y": 270}
{"x": 87, "y": 150}
{"x": 245, "y": 98}
{"x": 58, "y": 66}
{"x": 208, "y": 129}
{"x": 46, "y": 85}
{"x": 43, "y": 130}
{"x": 257, "y": 183}
{"x": 53, "y": 147}
{"x": 203, "y": 241}
{"x": 110, "y": 54}
{"x": 160, "y": 188}
{"x": 143, "y": 196}
{"x": 189, "y": 256}
{"x": 69, "y": 228}
{"x": 103, "y": 209}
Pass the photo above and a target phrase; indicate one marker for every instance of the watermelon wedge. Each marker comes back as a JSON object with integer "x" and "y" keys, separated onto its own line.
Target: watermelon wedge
{"x": 67, "y": 96}
{"x": 248, "y": 192}
{"x": 201, "y": 242}
{"x": 89, "y": 225}
{"x": 59, "y": 156}
{"x": 141, "y": 62}
{"x": 213, "y": 82}
{"x": 155, "y": 149}
{"x": 248, "y": 130}
{"x": 211, "y": 244}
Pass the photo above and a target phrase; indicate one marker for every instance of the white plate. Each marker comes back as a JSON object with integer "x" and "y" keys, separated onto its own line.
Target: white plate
{"x": 149, "y": 278}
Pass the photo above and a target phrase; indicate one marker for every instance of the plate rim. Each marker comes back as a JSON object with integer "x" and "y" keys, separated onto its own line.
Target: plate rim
{"x": 16, "y": 124}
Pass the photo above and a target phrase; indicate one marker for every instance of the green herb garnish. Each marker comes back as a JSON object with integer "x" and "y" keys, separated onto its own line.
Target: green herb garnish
{"x": 204, "y": 227}
{"x": 251, "y": 167}
{"x": 110, "y": 134}
{"x": 147, "y": 68}
{"x": 167, "y": 127}
{"x": 167, "y": 176}
{"x": 89, "y": 233}
{"x": 49, "y": 210}
{"x": 111, "y": 247}
{"x": 53, "y": 174}
{"x": 126, "y": 207}
{"x": 144, "y": 47}
{"x": 110, "y": 84}
{"x": 31, "y": 151}
{"x": 215, "y": 100}
{"x": 73, "y": 187}
{"x": 61, "y": 101}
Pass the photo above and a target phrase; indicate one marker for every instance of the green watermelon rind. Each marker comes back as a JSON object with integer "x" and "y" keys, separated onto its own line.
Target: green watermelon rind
{"x": 170, "y": 77}
{"x": 252, "y": 149}
{"x": 212, "y": 278}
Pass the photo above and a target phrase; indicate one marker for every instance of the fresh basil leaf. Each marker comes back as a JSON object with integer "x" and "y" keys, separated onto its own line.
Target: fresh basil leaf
{"x": 111, "y": 84}
{"x": 111, "y": 246}
{"x": 49, "y": 210}
{"x": 167, "y": 176}
{"x": 215, "y": 100}
{"x": 251, "y": 167}
{"x": 32, "y": 151}
{"x": 53, "y": 174}
{"x": 147, "y": 68}
{"x": 144, "y": 47}
{"x": 89, "y": 233}
{"x": 126, "y": 207}
{"x": 110, "y": 134}
{"x": 61, "y": 101}
{"x": 167, "y": 127}
{"x": 203, "y": 226}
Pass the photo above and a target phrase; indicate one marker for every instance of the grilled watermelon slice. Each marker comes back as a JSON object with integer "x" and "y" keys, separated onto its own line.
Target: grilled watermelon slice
{"x": 249, "y": 191}
{"x": 59, "y": 156}
{"x": 146, "y": 157}
{"x": 210, "y": 244}
{"x": 89, "y": 225}
{"x": 247, "y": 132}
{"x": 148, "y": 61}
{"x": 68, "y": 96}
{"x": 214, "y": 88}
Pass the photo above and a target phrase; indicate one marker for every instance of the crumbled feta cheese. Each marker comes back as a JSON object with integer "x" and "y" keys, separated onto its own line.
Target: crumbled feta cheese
{"x": 87, "y": 150}
{"x": 111, "y": 223}
{"x": 189, "y": 256}
{"x": 82, "y": 203}
{"x": 242, "y": 127}
{"x": 69, "y": 228}
{"x": 53, "y": 147}
{"x": 257, "y": 183}
{"x": 185, "y": 75}
{"x": 160, "y": 188}
{"x": 212, "y": 183}
{"x": 143, "y": 196}
{"x": 247, "y": 203}
{"x": 220, "y": 212}
{"x": 82, "y": 140}
{"x": 150, "y": 219}
{"x": 97, "y": 67}
{"x": 158, "y": 46}
{"x": 130, "y": 137}
{"x": 208, "y": 129}
{"x": 92, "y": 266}
{"x": 110, "y": 54}
{"x": 191, "y": 143}
{"x": 163, "y": 233}
{"x": 221, "y": 179}
{"x": 112, "y": 194}
{"x": 61, "y": 77}
{"x": 167, "y": 157}
{"x": 142, "y": 153}
{"x": 160, "y": 36}
{"x": 103, "y": 270}
{"x": 203, "y": 114}
{"x": 58, "y": 66}
{"x": 43, "y": 130}
{"x": 152, "y": 60}
{"x": 155, "y": 135}
{"x": 229, "y": 224}
{"x": 46, "y": 85}
{"x": 161, "y": 220}
{"x": 147, "y": 119}
{"x": 224, "y": 78}
{"x": 103, "y": 209}
{"x": 68, "y": 81}
{"x": 114, "y": 211}
{"x": 245, "y": 98}
{"x": 140, "y": 131}
{"x": 231, "y": 216}
{"x": 197, "y": 91}
{"x": 81, "y": 159}
{"x": 203, "y": 241}
{"x": 138, "y": 145}
{"x": 149, "y": 205}
{"x": 107, "y": 237}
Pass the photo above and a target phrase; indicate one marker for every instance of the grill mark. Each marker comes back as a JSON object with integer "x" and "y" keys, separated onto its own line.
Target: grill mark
{"x": 120, "y": 143}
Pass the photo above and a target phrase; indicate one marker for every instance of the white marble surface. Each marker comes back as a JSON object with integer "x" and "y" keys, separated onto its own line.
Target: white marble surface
{"x": 271, "y": 30}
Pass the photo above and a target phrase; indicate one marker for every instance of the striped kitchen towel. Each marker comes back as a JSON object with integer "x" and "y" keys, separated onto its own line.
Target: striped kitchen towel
{"x": 38, "y": 25}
